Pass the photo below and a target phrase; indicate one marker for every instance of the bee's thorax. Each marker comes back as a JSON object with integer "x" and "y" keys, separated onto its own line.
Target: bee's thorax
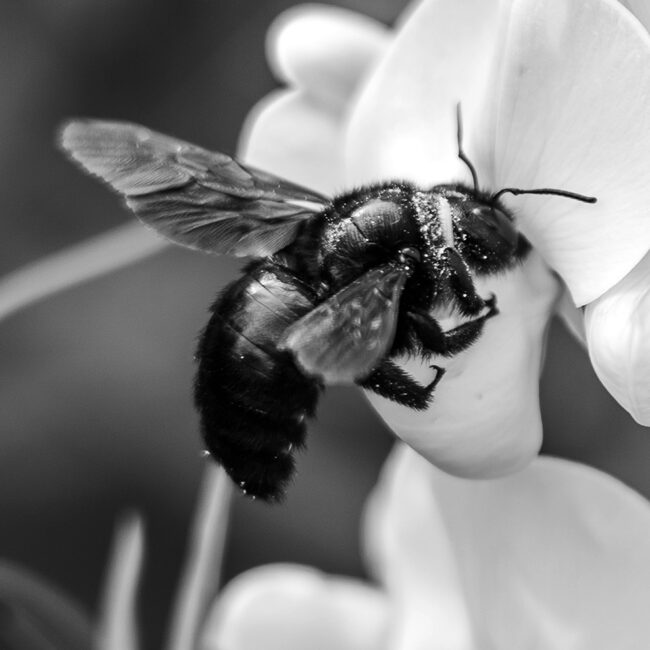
{"x": 433, "y": 215}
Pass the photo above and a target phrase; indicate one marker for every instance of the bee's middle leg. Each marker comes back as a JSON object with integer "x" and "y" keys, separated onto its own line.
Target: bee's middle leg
{"x": 468, "y": 301}
{"x": 394, "y": 383}
{"x": 435, "y": 340}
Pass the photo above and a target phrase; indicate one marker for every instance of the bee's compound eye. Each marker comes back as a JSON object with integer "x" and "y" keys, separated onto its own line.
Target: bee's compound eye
{"x": 410, "y": 255}
{"x": 492, "y": 226}
{"x": 491, "y": 213}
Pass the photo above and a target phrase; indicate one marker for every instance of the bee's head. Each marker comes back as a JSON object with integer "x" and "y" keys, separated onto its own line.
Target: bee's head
{"x": 481, "y": 228}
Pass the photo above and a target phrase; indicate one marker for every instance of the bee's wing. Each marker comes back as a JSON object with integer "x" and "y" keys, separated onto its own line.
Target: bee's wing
{"x": 196, "y": 198}
{"x": 345, "y": 337}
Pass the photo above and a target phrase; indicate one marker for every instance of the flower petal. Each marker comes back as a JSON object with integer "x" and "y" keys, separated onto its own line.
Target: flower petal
{"x": 484, "y": 420}
{"x": 569, "y": 113}
{"x": 293, "y": 136}
{"x": 412, "y": 555}
{"x": 404, "y": 123}
{"x": 618, "y": 336}
{"x": 641, "y": 9}
{"x": 325, "y": 50}
{"x": 554, "y": 557}
{"x": 287, "y": 607}
{"x": 563, "y": 560}
{"x": 573, "y": 317}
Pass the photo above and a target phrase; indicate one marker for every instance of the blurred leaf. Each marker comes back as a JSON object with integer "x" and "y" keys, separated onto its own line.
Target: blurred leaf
{"x": 202, "y": 573}
{"x": 118, "y": 629}
{"x": 82, "y": 262}
{"x": 37, "y": 616}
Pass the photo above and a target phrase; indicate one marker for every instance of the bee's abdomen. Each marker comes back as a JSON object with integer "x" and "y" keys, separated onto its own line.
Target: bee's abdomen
{"x": 252, "y": 398}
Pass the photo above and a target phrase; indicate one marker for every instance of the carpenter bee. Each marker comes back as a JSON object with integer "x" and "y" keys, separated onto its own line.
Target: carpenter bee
{"x": 337, "y": 287}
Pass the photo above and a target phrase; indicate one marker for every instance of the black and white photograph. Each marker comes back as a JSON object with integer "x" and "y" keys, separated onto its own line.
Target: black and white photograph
{"x": 325, "y": 326}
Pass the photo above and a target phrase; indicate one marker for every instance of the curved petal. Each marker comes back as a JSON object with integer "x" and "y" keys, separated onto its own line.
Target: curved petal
{"x": 412, "y": 554}
{"x": 287, "y": 607}
{"x": 404, "y": 123}
{"x": 484, "y": 420}
{"x": 554, "y": 557}
{"x": 641, "y": 9}
{"x": 618, "y": 336}
{"x": 325, "y": 51}
{"x": 298, "y": 134}
{"x": 568, "y": 548}
{"x": 295, "y": 137}
{"x": 568, "y": 112}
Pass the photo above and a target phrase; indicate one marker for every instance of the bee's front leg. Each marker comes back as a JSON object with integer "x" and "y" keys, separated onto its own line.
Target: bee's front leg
{"x": 436, "y": 341}
{"x": 394, "y": 383}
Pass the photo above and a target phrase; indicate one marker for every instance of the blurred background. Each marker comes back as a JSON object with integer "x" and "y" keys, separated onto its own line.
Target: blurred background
{"x": 95, "y": 383}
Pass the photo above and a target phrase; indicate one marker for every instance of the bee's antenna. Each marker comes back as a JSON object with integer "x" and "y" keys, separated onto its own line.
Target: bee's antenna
{"x": 546, "y": 190}
{"x": 461, "y": 153}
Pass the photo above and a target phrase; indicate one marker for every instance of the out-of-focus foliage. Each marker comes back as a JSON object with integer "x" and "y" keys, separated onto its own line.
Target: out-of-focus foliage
{"x": 36, "y": 616}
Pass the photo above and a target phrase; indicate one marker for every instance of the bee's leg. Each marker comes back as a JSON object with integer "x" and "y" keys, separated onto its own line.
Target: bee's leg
{"x": 435, "y": 340}
{"x": 467, "y": 299}
{"x": 394, "y": 383}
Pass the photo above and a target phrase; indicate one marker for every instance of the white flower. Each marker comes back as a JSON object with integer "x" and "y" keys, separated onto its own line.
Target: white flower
{"x": 555, "y": 557}
{"x": 554, "y": 94}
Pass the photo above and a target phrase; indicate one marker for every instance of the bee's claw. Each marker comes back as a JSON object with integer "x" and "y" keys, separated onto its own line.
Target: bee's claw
{"x": 436, "y": 380}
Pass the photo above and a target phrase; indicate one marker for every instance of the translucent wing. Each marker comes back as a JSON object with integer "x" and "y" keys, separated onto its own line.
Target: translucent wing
{"x": 346, "y": 336}
{"x": 197, "y": 198}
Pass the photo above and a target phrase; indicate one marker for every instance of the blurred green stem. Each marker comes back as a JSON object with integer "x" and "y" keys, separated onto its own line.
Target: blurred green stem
{"x": 79, "y": 263}
{"x": 202, "y": 573}
{"x": 118, "y": 627}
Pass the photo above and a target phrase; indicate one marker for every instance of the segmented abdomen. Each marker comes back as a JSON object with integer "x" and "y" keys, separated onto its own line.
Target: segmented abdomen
{"x": 252, "y": 398}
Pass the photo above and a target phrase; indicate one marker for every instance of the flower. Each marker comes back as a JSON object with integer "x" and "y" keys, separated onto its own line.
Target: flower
{"x": 553, "y": 557}
{"x": 544, "y": 105}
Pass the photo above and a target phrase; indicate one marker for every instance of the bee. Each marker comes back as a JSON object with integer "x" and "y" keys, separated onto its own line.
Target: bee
{"x": 337, "y": 288}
